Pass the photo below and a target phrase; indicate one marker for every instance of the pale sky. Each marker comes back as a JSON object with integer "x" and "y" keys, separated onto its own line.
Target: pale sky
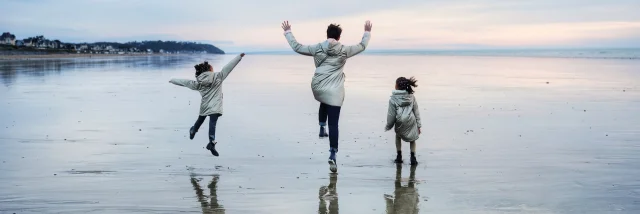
{"x": 252, "y": 25}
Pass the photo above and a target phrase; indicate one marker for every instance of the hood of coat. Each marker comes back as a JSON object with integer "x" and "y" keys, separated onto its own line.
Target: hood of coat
{"x": 401, "y": 98}
{"x": 204, "y": 76}
{"x": 332, "y": 47}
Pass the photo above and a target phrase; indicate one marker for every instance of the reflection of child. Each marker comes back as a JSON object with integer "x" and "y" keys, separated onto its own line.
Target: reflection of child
{"x": 405, "y": 116}
{"x": 405, "y": 199}
{"x": 209, "y": 84}
{"x": 208, "y": 207}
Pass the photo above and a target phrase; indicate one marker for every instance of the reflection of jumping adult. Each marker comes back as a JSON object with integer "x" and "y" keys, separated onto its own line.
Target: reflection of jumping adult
{"x": 405, "y": 199}
{"x": 211, "y": 207}
{"x": 328, "y": 80}
{"x": 329, "y": 194}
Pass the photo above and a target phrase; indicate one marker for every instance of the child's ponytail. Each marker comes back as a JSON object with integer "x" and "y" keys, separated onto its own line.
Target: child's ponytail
{"x": 407, "y": 84}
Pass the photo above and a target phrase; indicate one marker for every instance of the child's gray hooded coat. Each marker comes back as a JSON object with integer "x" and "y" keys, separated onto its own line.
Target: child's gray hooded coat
{"x": 404, "y": 115}
{"x": 209, "y": 84}
{"x": 329, "y": 56}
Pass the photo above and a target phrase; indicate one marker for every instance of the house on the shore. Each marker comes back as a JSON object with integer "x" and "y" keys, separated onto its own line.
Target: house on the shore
{"x": 82, "y": 47}
{"x": 67, "y": 46}
{"x": 40, "y": 42}
{"x": 47, "y": 44}
{"x": 56, "y": 44}
{"x": 7, "y": 39}
{"x": 28, "y": 42}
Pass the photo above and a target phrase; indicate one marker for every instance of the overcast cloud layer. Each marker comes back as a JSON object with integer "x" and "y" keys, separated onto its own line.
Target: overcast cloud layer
{"x": 403, "y": 24}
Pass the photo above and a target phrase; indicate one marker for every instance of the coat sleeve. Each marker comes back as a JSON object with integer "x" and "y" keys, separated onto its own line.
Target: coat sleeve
{"x": 391, "y": 116}
{"x": 306, "y": 50}
{"x": 193, "y": 85}
{"x": 356, "y": 49}
{"x": 226, "y": 70}
{"x": 416, "y": 112}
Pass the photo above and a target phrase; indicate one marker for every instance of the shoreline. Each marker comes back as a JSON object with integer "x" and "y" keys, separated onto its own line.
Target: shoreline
{"x": 6, "y": 57}
{"x": 54, "y": 56}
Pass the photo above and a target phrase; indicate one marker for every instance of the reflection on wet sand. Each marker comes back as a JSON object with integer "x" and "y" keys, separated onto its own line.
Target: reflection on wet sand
{"x": 212, "y": 206}
{"x": 329, "y": 197}
{"x": 405, "y": 198}
{"x": 11, "y": 69}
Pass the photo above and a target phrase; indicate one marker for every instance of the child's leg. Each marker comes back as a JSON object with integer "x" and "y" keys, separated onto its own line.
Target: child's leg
{"x": 413, "y": 146}
{"x": 399, "y": 149}
{"x": 213, "y": 120}
{"x": 198, "y": 123}
{"x": 414, "y": 161}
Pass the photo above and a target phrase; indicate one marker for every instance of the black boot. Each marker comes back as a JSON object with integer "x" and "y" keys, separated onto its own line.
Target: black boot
{"x": 413, "y": 159}
{"x": 398, "y": 157}
{"x": 192, "y": 133}
{"x": 212, "y": 147}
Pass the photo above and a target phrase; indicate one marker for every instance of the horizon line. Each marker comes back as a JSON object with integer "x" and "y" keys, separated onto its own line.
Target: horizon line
{"x": 462, "y": 49}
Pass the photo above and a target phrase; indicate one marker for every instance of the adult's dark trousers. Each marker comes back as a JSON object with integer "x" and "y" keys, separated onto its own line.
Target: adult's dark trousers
{"x": 332, "y": 114}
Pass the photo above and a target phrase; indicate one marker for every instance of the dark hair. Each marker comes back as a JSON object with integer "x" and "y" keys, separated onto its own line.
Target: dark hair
{"x": 334, "y": 31}
{"x": 406, "y": 84}
{"x": 202, "y": 67}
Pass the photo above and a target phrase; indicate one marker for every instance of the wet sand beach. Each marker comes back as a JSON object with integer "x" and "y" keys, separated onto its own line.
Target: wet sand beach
{"x": 500, "y": 135}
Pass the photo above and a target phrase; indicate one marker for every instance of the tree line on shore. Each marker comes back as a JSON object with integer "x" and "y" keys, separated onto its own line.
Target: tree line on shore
{"x": 41, "y": 43}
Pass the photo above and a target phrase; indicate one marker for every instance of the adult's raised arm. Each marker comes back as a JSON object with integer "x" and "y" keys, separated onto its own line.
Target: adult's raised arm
{"x": 356, "y": 49}
{"x": 297, "y": 47}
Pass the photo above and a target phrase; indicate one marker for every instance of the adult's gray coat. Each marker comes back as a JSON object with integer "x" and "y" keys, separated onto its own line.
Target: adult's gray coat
{"x": 329, "y": 56}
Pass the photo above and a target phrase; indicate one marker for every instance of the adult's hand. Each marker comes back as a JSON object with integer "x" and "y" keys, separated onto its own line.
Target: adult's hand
{"x": 367, "y": 26}
{"x": 286, "y": 26}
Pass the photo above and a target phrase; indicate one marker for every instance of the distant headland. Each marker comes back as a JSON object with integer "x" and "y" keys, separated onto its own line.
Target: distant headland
{"x": 39, "y": 45}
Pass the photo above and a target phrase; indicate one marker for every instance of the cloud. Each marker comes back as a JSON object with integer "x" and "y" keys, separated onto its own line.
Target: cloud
{"x": 255, "y": 24}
